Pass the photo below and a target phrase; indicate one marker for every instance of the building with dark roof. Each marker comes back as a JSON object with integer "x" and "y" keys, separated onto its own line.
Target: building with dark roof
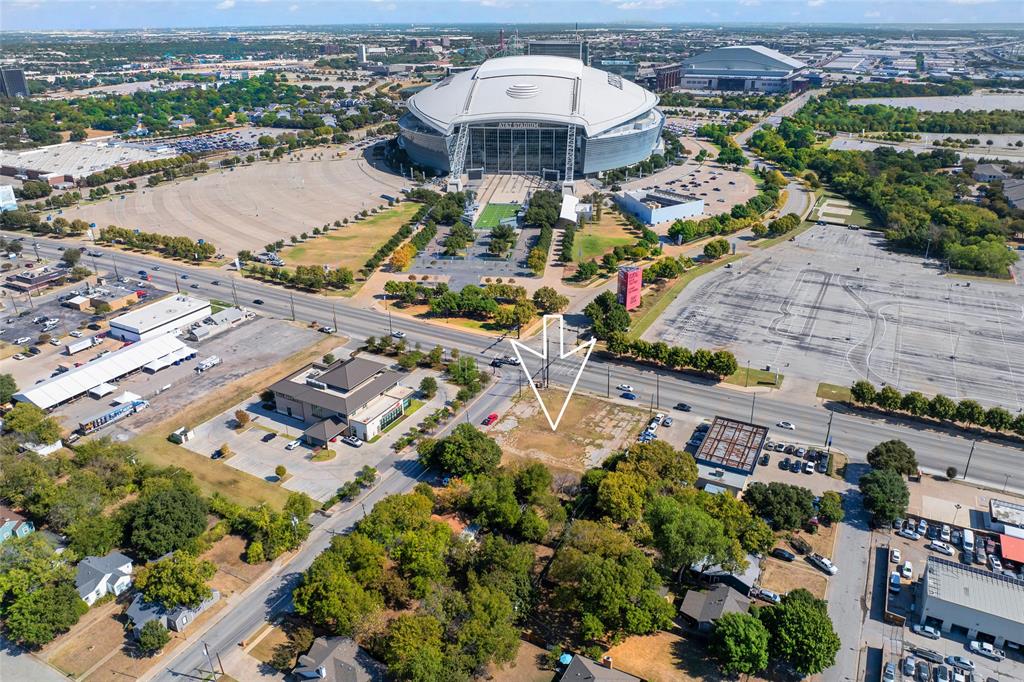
{"x": 583, "y": 669}
{"x": 337, "y": 659}
{"x": 704, "y": 608}
{"x": 13, "y": 83}
{"x": 728, "y": 454}
{"x": 357, "y": 396}
{"x": 177, "y": 619}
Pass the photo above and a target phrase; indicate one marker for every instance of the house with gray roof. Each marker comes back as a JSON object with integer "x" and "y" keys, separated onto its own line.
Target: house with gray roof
{"x": 337, "y": 659}
{"x": 988, "y": 172}
{"x": 705, "y": 607}
{"x": 177, "y": 619}
{"x": 583, "y": 669}
{"x": 99, "y": 576}
{"x": 357, "y": 396}
{"x": 13, "y": 524}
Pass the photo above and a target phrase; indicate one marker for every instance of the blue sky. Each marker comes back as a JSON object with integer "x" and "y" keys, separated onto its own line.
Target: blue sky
{"x": 113, "y": 14}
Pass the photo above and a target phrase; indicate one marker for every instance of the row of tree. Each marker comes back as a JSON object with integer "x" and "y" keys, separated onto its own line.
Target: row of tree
{"x": 739, "y": 217}
{"x": 175, "y": 247}
{"x": 938, "y": 407}
{"x": 721, "y": 363}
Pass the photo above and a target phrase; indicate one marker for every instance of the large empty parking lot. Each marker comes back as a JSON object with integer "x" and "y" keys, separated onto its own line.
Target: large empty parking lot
{"x": 836, "y": 306}
{"x": 252, "y": 205}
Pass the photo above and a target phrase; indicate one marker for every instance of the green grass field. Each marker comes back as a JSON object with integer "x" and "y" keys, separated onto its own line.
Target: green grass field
{"x": 597, "y": 239}
{"x": 493, "y": 214}
{"x": 350, "y": 246}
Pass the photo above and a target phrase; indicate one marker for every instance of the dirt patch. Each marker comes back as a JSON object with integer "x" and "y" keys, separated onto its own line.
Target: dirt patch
{"x": 591, "y": 429}
{"x": 264, "y": 649}
{"x": 233, "y": 574}
{"x": 782, "y": 577}
{"x": 823, "y": 542}
{"x": 525, "y": 668}
{"x": 664, "y": 657}
{"x": 95, "y": 636}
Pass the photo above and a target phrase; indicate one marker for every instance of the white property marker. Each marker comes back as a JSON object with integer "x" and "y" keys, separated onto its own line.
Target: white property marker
{"x": 562, "y": 355}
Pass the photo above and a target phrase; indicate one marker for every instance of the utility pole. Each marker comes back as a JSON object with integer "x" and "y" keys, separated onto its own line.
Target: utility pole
{"x": 291, "y": 297}
{"x": 657, "y": 389}
{"x": 828, "y": 433}
{"x": 35, "y": 245}
{"x": 117, "y": 275}
{"x": 969, "y": 456}
{"x": 95, "y": 267}
{"x": 177, "y": 285}
{"x": 609, "y": 389}
{"x": 746, "y": 382}
{"x": 234, "y": 294}
{"x": 206, "y": 649}
{"x": 335, "y": 307}
{"x": 753, "y": 399}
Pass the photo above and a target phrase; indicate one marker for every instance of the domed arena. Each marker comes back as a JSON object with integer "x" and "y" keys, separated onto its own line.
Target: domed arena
{"x": 552, "y": 117}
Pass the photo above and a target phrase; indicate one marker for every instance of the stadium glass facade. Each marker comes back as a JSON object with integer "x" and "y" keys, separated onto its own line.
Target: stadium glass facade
{"x": 510, "y": 149}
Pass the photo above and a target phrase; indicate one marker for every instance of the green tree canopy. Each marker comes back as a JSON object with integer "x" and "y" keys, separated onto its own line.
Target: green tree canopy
{"x": 801, "y": 632}
{"x": 179, "y": 580}
{"x": 466, "y": 451}
{"x": 739, "y": 643}
{"x": 895, "y": 455}
{"x": 164, "y": 520}
{"x": 885, "y": 495}
{"x": 153, "y": 637}
{"x": 782, "y": 505}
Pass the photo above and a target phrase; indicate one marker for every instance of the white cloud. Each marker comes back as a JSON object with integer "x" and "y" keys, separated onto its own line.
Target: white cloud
{"x": 225, "y": 4}
{"x": 815, "y": 3}
{"x": 645, "y": 4}
{"x": 750, "y": 3}
{"x": 969, "y": 2}
{"x": 873, "y": 14}
{"x": 293, "y": 8}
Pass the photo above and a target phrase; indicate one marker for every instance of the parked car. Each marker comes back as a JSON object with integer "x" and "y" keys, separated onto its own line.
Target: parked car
{"x": 987, "y": 650}
{"x": 75, "y": 333}
{"x": 945, "y": 533}
{"x": 808, "y": 468}
{"x": 293, "y": 444}
{"x": 766, "y": 595}
{"x": 994, "y": 563}
{"x": 795, "y": 466}
{"x": 23, "y": 340}
{"x": 889, "y": 673}
{"x": 908, "y": 666}
{"x": 922, "y": 527}
{"x": 941, "y": 673}
{"x": 784, "y": 464}
{"x": 490, "y": 419}
{"x": 257, "y": 301}
{"x": 927, "y": 631}
{"x": 353, "y": 441}
{"x": 667, "y": 421}
{"x": 268, "y": 437}
{"x": 907, "y": 570}
{"x": 780, "y": 447}
{"x": 327, "y": 330}
{"x": 960, "y": 662}
{"x": 894, "y": 555}
{"x": 895, "y": 583}
{"x": 940, "y": 547}
{"x": 823, "y": 466}
{"x": 924, "y": 672}
{"x": 625, "y": 388}
{"x": 823, "y": 563}
{"x": 765, "y": 458}
{"x": 782, "y": 554}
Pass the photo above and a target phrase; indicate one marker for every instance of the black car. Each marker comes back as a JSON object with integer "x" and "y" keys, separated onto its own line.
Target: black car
{"x": 682, "y": 407}
{"x": 269, "y": 437}
{"x": 796, "y": 467}
{"x": 789, "y": 449}
{"x": 784, "y": 463}
{"x": 923, "y": 672}
{"x": 780, "y": 553}
{"x": 764, "y": 459}
{"x": 257, "y": 301}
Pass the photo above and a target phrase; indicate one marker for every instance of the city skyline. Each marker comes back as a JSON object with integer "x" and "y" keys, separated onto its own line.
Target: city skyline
{"x": 41, "y": 15}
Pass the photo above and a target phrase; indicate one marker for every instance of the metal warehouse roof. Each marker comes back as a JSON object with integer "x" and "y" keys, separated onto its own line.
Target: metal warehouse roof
{"x": 741, "y": 59}
{"x": 159, "y": 313}
{"x": 539, "y": 89}
{"x": 79, "y": 380}
{"x": 976, "y": 589}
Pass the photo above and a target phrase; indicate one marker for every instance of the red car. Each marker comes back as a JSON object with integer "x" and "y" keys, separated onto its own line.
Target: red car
{"x": 490, "y": 419}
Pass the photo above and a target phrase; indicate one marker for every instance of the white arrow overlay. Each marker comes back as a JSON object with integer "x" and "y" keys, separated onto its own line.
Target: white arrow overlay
{"x": 562, "y": 355}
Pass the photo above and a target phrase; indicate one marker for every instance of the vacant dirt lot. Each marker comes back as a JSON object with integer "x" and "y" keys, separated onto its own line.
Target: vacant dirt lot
{"x": 233, "y": 574}
{"x": 96, "y": 635}
{"x": 780, "y": 577}
{"x": 525, "y": 668}
{"x": 590, "y": 430}
{"x": 665, "y": 657}
{"x": 253, "y": 205}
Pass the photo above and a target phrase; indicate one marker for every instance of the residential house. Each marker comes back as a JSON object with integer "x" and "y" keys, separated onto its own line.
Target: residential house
{"x": 703, "y": 608}
{"x": 741, "y": 581}
{"x": 13, "y": 524}
{"x": 1014, "y": 191}
{"x": 988, "y": 172}
{"x": 99, "y": 576}
{"x": 337, "y": 659}
{"x": 583, "y": 669}
{"x": 177, "y": 619}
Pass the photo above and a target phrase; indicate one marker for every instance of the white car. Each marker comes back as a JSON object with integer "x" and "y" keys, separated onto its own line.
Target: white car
{"x": 19, "y": 356}
{"x": 293, "y": 444}
{"x": 398, "y": 335}
{"x": 987, "y": 650}
{"x": 926, "y": 631}
{"x": 22, "y": 340}
{"x": 353, "y": 441}
{"x": 940, "y": 547}
{"x": 894, "y": 555}
{"x": 824, "y": 564}
{"x": 77, "y": 334}
{"x": 786, "y": 425}
{"x": 625, "y": 388}
{"x": 907, "y": 571}
{"x": 908, "y": 534}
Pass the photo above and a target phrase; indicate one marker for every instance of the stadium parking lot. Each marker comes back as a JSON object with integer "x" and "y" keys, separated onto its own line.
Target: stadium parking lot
{"x": 836, "y": 306}
{"x": 477, "y": 263}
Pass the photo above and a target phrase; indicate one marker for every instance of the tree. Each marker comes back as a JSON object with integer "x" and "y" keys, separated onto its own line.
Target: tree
{"x": 885, "y": 495}
{"x": 414, "y": 649}
{"x": 782, "y": 505}
{"x": 549, "y": 301}
{"x": 280, "y": 471}
{"x": 951, "y": 473}
{"x": 428, "y": 387}
{"x": 164, "y": 520}
{"x": 863, "y": 392}
{"x": 687, "y": 535}
{"x": 970, "y": 412}
{"x": 830, "y": 507}
{"x": 941, "y": 407}
{"x": 39, "y": 616}
{"x": 153, "y": 637}
{"x": 32, "y": 424}
{"x": 716, "y": 248}
{"x": 998, "y": 419}
{"x": 895, "y": 455}
{"x": 800, "y": 632}
{"x": 621, "y": 495}
{"x": 8, "y": 387}
{"x": 333, "y": 595}
{"x": 740, "y": 644}
{"x": 328, "y": 358}
{"x": 179, "y": 580}
{"x": 466, "y": 451}
{"x": 889, "y": 399}
{"x": 915, "y": 403}
{"x": 94, "y": 535}
{"x": 71, "y": 257}
{"x": 607, "y": 315}
{"x": 241, "y": 418}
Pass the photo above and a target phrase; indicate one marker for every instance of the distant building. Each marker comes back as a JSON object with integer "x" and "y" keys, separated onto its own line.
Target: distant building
{"x": 337, "y": 659}
{"x": 35, "y": 279}
{"x": 168, "y": 315}
{"x": 13, "y": 524}
{"x": 100, "y": 576}
{"x": 667, "y": 77}
{"x": 989, "y": 172}
{"x": 329, "y": 49}
{"x": 625, "y": 68}
{"x": 704, "y": 608}
{"x": 7, "y": 200}
{"x": 630, "y": 285}
{"x": 749, "y": 68}
{"x": 177, "y": 619}
{"x": 361, "y": 54}
{"x": 653, "y": 206}
{"x": 1014, "y": 192}
{"x": 574, "y": 49}
{"x": 357, "y": 396}
{"x": 13, "y": 83}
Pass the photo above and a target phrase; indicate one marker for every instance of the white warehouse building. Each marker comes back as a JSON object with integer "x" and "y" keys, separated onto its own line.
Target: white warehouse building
{"x": 977, "y": 603}
{"x": 169, "y": 315}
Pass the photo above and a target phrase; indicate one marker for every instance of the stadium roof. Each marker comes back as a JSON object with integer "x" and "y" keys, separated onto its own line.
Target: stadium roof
{"x": 538, "y": 89}
{"x": 742, "y": 59}
{"x": 79, "y": 380}
{"x": 976, "y": 589}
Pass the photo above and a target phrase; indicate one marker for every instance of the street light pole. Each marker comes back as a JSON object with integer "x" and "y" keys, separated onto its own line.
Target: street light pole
{"x": 753, "y": 401}
{"x": 969, "y": 456}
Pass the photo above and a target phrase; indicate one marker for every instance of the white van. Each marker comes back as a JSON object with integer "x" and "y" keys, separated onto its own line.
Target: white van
{"x": 968, "y": 540}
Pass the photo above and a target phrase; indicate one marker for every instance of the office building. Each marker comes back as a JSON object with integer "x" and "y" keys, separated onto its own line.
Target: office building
{"x": 361, "y": 54}
{"x": 13, "y": 83}
{"x": 653, "y": 206}
{"x": 747, "y": 68}
{"x": 8, "y": 202}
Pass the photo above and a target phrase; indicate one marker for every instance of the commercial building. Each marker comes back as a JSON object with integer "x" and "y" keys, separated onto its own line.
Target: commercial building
{"x": 551, "y": 117}
{"x": 749, "y": 68}
{"x": 8, "y": 202}
{"x": 989, "y": 172}
{"x": 357, "y": 396}
{"x": 728, "y": 454}
{"x": 71, "y": 161}
{"x": 653, "y": 206}
{"x": 361, "y": 54}
{"x": 35, "y": 279}
{"x": 974, "y": 602}
{"x": 573, "y": 49}
{"x": 114, "y": 300}
{"x": 151, "y": 355}
{"x": 169, "y": 315}
{"x": 13, "y": 83}
{"x": 630, "y": 284}
{"x": 626, "y": 68}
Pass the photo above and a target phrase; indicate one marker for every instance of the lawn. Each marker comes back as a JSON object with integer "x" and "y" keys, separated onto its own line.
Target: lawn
{"x": 834, "y": 392}
{"x": 598, "y": 238}
{"x": 351, "y": 245}
{"x": 745, "y": 376}
{"x": 654, "y": 305}
{"x": 772, "y": 241}
{"x": 493, "y": 214}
